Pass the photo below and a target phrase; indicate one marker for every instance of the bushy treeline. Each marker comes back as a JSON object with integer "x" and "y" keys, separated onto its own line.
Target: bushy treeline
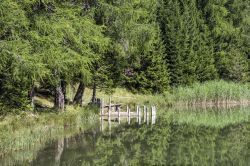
{"x": 145, "y": 45}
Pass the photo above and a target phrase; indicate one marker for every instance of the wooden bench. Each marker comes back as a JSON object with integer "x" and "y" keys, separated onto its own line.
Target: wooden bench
{"x": 116, "y": 106}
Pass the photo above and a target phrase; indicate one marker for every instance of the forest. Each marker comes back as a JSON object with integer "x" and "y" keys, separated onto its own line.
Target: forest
{"x": 143, "y": 46}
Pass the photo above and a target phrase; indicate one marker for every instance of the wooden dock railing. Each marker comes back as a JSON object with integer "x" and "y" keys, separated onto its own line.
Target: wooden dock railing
{"x": 118, "y": 111}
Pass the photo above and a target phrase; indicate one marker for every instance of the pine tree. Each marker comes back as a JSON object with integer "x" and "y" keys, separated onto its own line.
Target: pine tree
{"x": 188, "y": 52}
{"x": 225, "y": 20}
{"x": 137, "y": 47}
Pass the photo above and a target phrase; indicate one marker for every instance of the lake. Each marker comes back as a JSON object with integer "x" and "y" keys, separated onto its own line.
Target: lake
{"x": 176, "y": 137}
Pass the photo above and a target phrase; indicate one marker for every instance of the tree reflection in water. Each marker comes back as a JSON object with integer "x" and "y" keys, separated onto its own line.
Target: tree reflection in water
{"x": 176, "y": 138}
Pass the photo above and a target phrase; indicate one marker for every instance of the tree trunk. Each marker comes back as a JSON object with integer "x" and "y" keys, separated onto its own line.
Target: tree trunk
{"x": 59, "y": 151}
{"x": 31, "y": 96}
{"x": 59, "y": 98}
{"x": 94, "y": 93}
{"x": 79, "y": 94}
{"x": 64, "y": 90}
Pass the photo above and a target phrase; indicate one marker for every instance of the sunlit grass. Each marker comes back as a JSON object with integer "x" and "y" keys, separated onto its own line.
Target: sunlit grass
{"x": 208, "y": 93}
{"x": 215, "y": 92}
{"x": 198, "y": 94}
{"x": 210, "y": 117}
{"x": 29, "y": 132}
{"x": 43, "y": 101}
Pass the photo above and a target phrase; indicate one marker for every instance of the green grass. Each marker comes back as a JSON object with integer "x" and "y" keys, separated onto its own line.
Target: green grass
{"x": 210, "y": 117}
{"x": 29, "y": 132}
{"x": 22, "y": 135}
{"x": 212, "y": 93}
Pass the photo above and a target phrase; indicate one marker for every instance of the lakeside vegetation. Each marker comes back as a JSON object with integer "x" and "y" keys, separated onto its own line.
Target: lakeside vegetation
{"x": 23, "y": 135}
{"x": 187, "y": 57}
{"x": 172, "y": 140}
{"x": 201, "y": 95}
{"x": 208, "y": 94}
{"x": 33, "y": 129}
{"x": 155, "y": 47}
{"x": 22, "y": 143}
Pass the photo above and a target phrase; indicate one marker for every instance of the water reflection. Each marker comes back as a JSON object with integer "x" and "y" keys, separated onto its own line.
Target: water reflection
{"x": 146, "y": 117}
{"x": 190, "y": 137}
{"x": 59, "y": 150}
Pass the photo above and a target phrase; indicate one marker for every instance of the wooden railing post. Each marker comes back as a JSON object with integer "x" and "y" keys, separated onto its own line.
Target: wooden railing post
{"x": 101, "y": 107}
{"x": 147, "y": 116}
{"x": 109, "y": 106}
{"x": 153, "y": 114}
{"x": 128, "y": 115}
{"x": 119, "y": 113}
{"x": 139, "y": 115}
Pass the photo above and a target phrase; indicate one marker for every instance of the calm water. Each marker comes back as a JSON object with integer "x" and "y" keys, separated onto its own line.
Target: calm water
{"x": 187, "y": 137}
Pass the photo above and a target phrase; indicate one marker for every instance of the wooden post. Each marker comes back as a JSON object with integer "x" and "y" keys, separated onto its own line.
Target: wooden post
{"x": 128, "y": 112}
{"x": 128, "y": 116}
{"x": 101, "y": 107}
{"x": 119, "y": 113}
{"x": 119, "y": 120}
{"x": 109, "y": 124}
{"x": 153, "y": 114}
{"x": 144, "y": 113}
{"x": 152, "y": 111}
{"x": 147, "y": 116}
{"x": 109, "y": 113}
{"x": 137, "y": 112}
{"x": 139, "y": 116}
{"x": 109, "y": 105}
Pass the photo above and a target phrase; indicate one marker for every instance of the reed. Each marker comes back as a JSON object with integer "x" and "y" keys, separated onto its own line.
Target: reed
{"x": 210, "y": 117}
{"x": 213, "y": 92}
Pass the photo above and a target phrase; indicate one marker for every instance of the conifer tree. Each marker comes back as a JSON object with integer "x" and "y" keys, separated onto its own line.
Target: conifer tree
{"x": 188, "y": 53}
{"x": 225, "y": 19}
{"x": 20, "y": 67}
{"x": 137, "y": 45}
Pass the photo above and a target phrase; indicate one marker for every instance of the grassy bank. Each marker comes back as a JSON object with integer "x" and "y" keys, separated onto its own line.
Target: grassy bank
{"x": 23, "y": 135}
{"x": 209, "y": 117}
{"x": 213, "y": 93}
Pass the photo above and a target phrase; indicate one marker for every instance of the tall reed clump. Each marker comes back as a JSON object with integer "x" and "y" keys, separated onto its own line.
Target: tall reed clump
{"x": 209, "y": 117}
{"x": 213, "y": 93}
{"x": 209, "y": 93}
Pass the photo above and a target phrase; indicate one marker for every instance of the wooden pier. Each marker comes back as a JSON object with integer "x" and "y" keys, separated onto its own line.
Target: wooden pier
{"x": 144, "y": 113}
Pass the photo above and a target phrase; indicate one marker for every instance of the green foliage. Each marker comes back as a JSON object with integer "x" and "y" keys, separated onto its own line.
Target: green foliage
{"x": 188, "y": 51}
{"x": 213, "y": 92}
{"x": 137, "y": 49}
{"x": 143, "y": 46}
{"x": 227, "y": 21}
